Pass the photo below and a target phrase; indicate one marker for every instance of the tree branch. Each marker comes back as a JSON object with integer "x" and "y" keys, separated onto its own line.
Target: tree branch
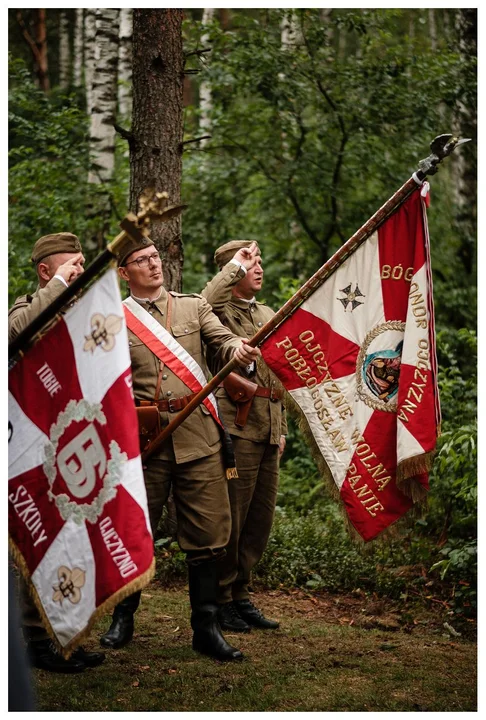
{"x": 126, "y": 134}
{"x": 302, "y": 218}
{"x": 203, "y": 137}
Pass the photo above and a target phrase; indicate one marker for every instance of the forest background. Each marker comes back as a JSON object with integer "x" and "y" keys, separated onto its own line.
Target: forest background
{"x": 290, "y": 127}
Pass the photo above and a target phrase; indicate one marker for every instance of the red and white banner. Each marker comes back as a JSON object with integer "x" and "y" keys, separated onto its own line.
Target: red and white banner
{"x": 78, "y": 516}
{"x": 358, "y": 358}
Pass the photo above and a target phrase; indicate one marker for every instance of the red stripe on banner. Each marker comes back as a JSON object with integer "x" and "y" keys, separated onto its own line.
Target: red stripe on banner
{"x": 122, "y": 544}
{"x": 119, "y": 408}
{"x": 163, "y": 353}
{"x": 306, "y": 346}
{"x": 416, "y": 405}
{"x": 34, "y": 521}
{"x": 369, "y": 492}
{"x": 401, "y": 255}
{"x": 46, "y": 378}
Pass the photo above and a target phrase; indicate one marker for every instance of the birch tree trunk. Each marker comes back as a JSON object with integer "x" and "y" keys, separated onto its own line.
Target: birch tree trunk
{"x": 78, "y": 55}
{"x": 89, "y": 55}
{"x": 64, "y": 55}
{"x": 102, "y": 120}
{"x": 464, "y": 124}
{"x": 205, "y": 94}
{"x": 156, "y": 138}
{"x": 103, "y": 113}
{"x": 125, "y": 63}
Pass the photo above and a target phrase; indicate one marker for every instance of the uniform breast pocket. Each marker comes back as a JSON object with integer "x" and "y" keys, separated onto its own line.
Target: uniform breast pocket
{"x": 188, "y": 335}
{"x": 138, "y": 352}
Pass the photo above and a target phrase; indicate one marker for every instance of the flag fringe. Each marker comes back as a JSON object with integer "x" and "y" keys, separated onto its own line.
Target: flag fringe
{"x": 388, "y": 534}
{"x": 406, "y": 475}
{"x": 66, "y": 651}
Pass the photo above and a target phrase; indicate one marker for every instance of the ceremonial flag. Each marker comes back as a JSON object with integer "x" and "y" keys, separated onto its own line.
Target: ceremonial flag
{"x": 358, "y": 358}
{"x": 78, "y": 517}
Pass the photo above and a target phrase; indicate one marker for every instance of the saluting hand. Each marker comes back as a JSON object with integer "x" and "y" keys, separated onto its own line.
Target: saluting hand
{"x": 71, "y": 269}
{"x": 248, "y": 256}
{"x": 246, "y": 354}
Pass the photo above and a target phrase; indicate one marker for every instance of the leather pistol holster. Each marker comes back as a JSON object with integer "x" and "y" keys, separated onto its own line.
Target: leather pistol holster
{"x": 148, "y": 424}
{"x": 242, "y": 392}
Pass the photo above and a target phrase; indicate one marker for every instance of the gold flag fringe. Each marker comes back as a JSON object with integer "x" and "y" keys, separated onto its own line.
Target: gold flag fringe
{"x": 406, "y": 472}
{"x": 67, "y": 650}
{"x": 393, "y": 531}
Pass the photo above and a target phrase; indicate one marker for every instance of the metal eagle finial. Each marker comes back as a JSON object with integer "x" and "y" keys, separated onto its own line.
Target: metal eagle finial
{"x": 441, "y": 147}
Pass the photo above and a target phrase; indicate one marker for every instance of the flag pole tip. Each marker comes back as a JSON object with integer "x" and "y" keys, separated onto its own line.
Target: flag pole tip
{"x": 441, "y": 147}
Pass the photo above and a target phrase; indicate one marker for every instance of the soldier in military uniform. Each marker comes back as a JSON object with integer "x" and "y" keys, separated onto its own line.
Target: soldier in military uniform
{"x": 58, "y": 260}
{"x": 191, "y": 458}
{"x": 255, "y": 417}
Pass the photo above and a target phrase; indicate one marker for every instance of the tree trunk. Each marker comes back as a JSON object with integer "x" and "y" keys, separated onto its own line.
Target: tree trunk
{"x": 464, "y": 124}
{"x": 103, "y": 114}
{"x": 78, "y": 49}
{"x": 125, "y": 63}
{"x": 64, "y": 59}
{"x": 38, "y": 47}
{"x": 156, "y": 142}
{"x": 205, "y": 95}
{"x": 89, "y": 55}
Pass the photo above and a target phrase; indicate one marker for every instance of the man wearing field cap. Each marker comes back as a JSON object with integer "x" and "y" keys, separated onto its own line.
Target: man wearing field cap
{"x": 166, "y": 332}
{"x": 251, "y": 405}
{"x": 58, "y": 260}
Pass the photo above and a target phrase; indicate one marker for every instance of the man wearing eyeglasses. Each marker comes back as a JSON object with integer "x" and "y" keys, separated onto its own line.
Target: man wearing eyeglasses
{"x": 191, "y": 458}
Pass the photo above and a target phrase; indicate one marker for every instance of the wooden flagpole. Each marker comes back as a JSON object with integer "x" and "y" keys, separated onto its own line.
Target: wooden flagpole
{"x": 441, "y": 147}
{"x": 134, "y": 227}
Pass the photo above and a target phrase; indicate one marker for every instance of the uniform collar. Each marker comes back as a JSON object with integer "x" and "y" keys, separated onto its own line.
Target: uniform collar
{"x": 242, "y": 303}
{"x": 161, "y": 299}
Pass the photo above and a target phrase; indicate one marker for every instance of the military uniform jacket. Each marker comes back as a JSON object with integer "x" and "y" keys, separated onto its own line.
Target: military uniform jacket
{"x": 192, "y": 322}
{"x": 27, "y": 307}
{"x": 266, "y": 421}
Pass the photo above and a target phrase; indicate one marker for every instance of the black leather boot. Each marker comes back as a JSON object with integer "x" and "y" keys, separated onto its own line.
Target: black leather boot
{"x": 44, "y": 655}
{"x": 229, "y": 619}
{"x": 203, "y": 589}
{"x": 253, "y": 616}
{"x": 121, "y": 628}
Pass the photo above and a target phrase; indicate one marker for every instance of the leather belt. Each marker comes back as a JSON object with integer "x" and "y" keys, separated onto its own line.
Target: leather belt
{"x": 273, "y": 393}
{"x": 170, "y": 405}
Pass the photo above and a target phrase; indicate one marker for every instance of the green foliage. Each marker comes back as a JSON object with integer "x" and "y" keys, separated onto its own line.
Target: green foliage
{"x": 48, "y": 173}
{"x": 47, "y": 167}
{"x": 345, "y": 110}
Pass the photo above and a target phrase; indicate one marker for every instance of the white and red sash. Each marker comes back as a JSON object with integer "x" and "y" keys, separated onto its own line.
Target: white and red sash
{"x": 168, "y": 349}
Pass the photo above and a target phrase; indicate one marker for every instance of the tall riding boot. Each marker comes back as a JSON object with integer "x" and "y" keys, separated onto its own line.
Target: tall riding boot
{"x": 203, "y": 589}
{"x": 121, "y": 628}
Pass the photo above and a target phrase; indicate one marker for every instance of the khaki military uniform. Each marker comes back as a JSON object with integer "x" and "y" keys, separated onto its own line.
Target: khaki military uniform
{"x": 25, "y": 309}
{"x": 191, "y": 458}
{"x": 253, "y": 494}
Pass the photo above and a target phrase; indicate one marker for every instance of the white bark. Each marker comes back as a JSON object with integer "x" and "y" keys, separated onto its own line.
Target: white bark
{"x": 205, "y": 93}
{"x": 78, "y": 48}
{"x": 125, "y": 63}
{"x": 432, "y": 29}
{"x": 64, "y": 59}
{"x": 104, "y": 97}
{"x": 89, "y": 55}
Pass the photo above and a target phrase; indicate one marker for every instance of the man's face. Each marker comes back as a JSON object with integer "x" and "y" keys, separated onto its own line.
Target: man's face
{"x": 143, "y": 272}
{"x": 252, "y": 283}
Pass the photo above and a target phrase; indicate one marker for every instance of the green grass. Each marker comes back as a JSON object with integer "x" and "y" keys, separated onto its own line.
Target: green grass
{"x": 316, "y": 661}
